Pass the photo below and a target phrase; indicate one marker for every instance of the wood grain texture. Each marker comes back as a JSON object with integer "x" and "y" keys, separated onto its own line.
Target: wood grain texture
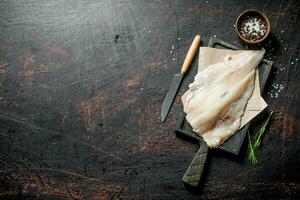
{"x": 82, "y": 83}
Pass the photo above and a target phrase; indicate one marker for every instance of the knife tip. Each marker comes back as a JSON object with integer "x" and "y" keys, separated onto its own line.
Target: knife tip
{"x": 163, "y": 118}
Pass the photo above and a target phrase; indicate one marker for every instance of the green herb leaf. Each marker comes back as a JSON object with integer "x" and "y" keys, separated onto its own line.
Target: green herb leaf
{"x": 251, "y": 155}
{"x": 257, "y": 138}
{"x": 253, "y": 146}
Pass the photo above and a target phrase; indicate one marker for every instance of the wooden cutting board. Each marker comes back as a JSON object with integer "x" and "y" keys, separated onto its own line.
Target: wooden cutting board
{"x": 234, "y": 143}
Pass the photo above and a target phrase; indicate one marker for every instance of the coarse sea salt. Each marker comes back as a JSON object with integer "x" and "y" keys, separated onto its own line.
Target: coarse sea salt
{"x": 253, "y": 28}
{"x": 277, "y": 89}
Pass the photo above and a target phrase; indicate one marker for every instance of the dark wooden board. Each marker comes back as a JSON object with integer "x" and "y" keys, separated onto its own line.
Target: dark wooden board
{"x": 81, "y": 88}
{"x": 235, "y": 142}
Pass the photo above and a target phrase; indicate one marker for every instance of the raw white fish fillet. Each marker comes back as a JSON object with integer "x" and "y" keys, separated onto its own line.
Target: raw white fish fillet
{"x": 216, "y": 100}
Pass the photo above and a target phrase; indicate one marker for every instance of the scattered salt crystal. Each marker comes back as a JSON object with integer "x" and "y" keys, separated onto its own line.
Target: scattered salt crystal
{"x": 282, "y": 31}
{"x": 144, "y": 29}
{"x": 149, "y": 31}
{"x": 234, "y": 42}
{"x": 285, "y": 48}
{"x": 142, "y": 89}
{"x": 215, "y": 36}
{"x": 277, "y": 89}
{"x": 173, "y": 58}
{"x": 292, "y": 63}
{"x": 233, "y": 25}
{"x": 178, "y": 38}
{"x": 296, "y": 59}
{"x": 171, "y": 51}
{"x": 173, "y": 47}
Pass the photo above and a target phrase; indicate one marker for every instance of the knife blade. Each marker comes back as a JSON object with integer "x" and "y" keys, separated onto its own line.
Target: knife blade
{"x": 171, "y": 96}
{"x": 168, "y": 101}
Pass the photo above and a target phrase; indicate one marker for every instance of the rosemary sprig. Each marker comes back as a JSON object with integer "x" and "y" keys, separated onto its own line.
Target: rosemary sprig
{"x": 254, "y": 144}
{"x": 251, "y": 155}
{"x": 257, "y": 138}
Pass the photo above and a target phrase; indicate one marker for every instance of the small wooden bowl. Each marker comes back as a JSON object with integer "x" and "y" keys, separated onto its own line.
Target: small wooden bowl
{"x": 252, "y": 13}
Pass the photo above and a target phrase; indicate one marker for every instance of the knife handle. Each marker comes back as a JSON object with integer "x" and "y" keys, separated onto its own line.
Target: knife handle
{"x": 193, "y": 174}
{"x": 191, "y": 54}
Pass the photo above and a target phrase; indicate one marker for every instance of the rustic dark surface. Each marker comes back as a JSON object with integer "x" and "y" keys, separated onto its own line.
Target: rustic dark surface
{"x": 82, "y": 83}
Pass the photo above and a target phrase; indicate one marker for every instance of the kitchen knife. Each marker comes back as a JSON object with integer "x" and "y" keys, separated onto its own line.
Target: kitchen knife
{"x": 178, "y": 78}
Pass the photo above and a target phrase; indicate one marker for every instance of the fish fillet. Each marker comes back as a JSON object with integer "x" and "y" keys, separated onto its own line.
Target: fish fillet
{"x": 216, "y": 100}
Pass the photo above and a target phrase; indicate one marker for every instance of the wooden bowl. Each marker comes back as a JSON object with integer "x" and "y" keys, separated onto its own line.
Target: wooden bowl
{"x": 252, "y": 13}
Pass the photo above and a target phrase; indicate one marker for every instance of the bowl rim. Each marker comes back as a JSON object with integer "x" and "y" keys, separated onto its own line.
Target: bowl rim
{"x": 261, "y": 14}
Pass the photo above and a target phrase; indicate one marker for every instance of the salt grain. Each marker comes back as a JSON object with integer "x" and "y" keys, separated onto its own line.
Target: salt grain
{"x": 292, "y": 63}
{"x": 178, "y": 38}
{"x": 149, "y": 31}
{"x": 173, "y": 58}
{"x": 173, "y": 47}
{"x": 277, "y": 89}
{"x": 215, "y": 36}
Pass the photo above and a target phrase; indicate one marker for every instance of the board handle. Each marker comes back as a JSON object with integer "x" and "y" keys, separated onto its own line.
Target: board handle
{"x": 191, "y": 54}
{"x": 193, "y": 174}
